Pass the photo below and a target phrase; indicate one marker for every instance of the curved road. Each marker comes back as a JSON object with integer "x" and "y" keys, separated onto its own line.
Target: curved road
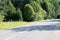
{"x": 33, "y": 31}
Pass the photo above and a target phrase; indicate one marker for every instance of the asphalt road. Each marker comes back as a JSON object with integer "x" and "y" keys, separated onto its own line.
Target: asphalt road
{"x": 32, "y": 35}
{"x": 34, "y": 31}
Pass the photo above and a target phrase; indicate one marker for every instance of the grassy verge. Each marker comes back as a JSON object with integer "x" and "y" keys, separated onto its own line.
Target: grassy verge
{"x": 5, "y": 25}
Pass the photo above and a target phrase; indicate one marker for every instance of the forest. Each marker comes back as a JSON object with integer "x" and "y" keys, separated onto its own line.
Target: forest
{"x": 29, "y": 10}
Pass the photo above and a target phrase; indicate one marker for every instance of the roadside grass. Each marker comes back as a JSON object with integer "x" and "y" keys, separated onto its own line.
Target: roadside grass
{"x": 6, "y": 25}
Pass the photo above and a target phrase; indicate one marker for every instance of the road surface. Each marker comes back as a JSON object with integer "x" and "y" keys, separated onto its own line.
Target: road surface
{"x": 32, "y": 35}
{"x": 40, "y": 31}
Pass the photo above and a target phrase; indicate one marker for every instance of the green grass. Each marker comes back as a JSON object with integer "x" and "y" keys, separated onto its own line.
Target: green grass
{"x": 6, "y": 25}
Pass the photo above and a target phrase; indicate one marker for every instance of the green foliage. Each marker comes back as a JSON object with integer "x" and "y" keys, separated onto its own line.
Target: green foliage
{"x": 9, "y": 11}
{"x": 57, "y": 7}
{"x": 12, "y": 14}
{"x": 28, "y": 13}
{"x": 11, "y": 6}
{"x": 19, "y": 14}
{"x": 40, "y": 13}
{"x": 51, "y": 10}
{"x": 1, "y": 16}
{"x": 8, "y": 16}
{"x": 29, "y": 10}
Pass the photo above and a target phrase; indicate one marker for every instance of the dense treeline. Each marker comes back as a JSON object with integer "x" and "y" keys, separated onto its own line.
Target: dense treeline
{"x": 29, "y": 10}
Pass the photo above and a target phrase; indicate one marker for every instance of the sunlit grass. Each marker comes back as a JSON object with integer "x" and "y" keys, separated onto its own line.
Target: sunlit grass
{"x": 5, "y": 25}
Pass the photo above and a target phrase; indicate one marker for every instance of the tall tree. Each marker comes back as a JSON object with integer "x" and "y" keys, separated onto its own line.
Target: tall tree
{"x": 19, "y": 14}
{"x": 1, "y": 16}
{"x": 11, "y": 6}
{"x": 51, "y": 10}
{"x": 28, "y": 14}
{"x": 57, "y": 7}
{"x": 40, "y": 13}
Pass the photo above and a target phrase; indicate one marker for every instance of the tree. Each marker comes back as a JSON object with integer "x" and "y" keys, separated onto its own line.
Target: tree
{"x": 9, "y": 10}
{"x": 28, "y": 14}
{"x": 1, "y": 16}
{"x": 57, "y": 7}
{"x": 40, "y": 13}
{"x": 3, "y": 9}
{"x": 29, "y": 10}
{"x": 12, "y": 8}
{"x": 51, "y": 10}
{"x": 13, "y": 16}
{"x": 19, "y": 14}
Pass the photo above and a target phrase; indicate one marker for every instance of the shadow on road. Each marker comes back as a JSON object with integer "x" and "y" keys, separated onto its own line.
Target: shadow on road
{"x": 38, "y": 27}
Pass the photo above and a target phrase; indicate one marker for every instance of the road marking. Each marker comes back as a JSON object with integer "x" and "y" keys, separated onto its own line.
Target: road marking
{"x": 10, "y": 37}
